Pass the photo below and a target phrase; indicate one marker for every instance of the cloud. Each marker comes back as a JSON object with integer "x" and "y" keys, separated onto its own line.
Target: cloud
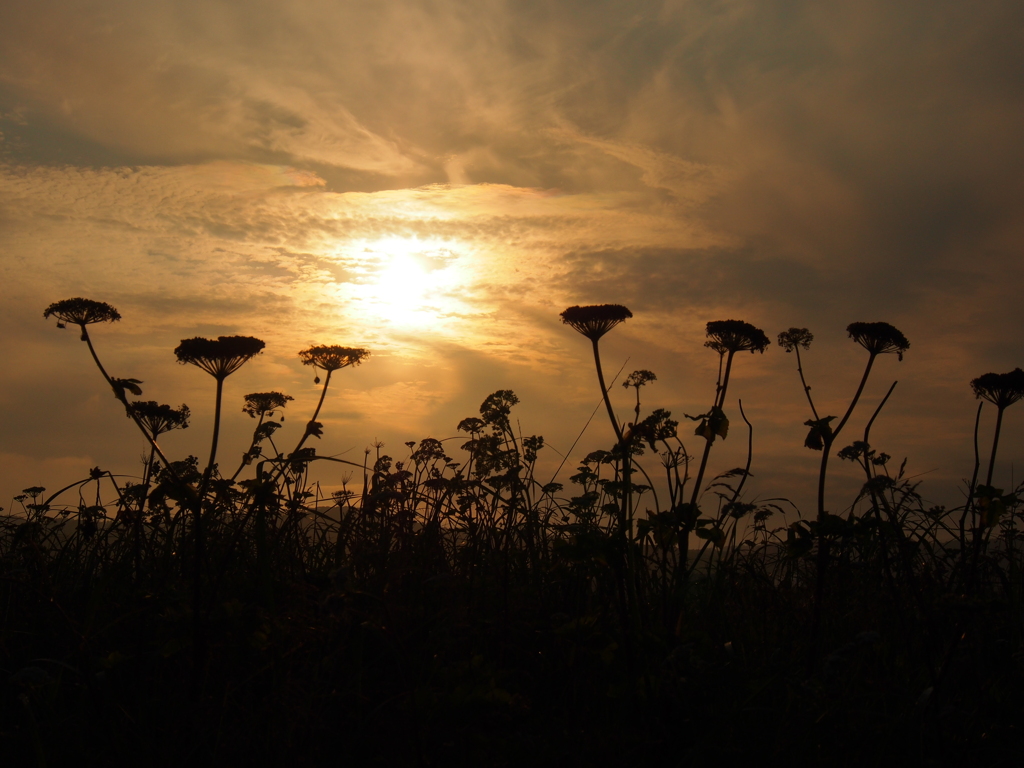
{"x": 213, "y": 167}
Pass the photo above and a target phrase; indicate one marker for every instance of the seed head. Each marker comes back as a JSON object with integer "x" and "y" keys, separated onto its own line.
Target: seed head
{"x": 81, "y": 312}
{"x": 159, "y": 418}
{"x": 331, "y": 357}
{"x": 1000, "y": 389}
{"x": 219, "y": 357}
{"x": 596, "y": 320}
{"x": 795, "y": 337}
{"x": 260, "y": 403}
{"x": 735, "y": 336}
{"x": 639, "y": 378}
{"x": 879, "y": 338}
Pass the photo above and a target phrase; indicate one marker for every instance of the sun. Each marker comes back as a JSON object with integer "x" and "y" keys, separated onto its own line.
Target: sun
{"x": 407, "y": 280}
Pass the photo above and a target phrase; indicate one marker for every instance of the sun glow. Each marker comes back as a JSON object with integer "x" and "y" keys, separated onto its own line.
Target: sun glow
{"x": 408, "y": 281}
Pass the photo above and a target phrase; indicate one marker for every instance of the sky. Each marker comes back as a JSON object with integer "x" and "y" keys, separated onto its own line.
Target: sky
{"x": 436, "y": 180}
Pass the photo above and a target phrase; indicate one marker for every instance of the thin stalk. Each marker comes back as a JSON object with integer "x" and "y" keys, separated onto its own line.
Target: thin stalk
{"x": 803, "y": 381}
{"x": 823, "y": 544}
{"x": 995, "y": 445}
{"x": 969, "y": 504}
{"x": 150, "y": 438}
{"x": 306, "y": 434}
{"x": 720, "y": 392}
{"x": 826, "y": 451}
{"x": 604, "y": 392}
{"x": 216, "y": 434}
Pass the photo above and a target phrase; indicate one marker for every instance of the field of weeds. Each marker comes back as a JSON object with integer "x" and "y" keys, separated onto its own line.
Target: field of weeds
{"x": 455, "y": 610}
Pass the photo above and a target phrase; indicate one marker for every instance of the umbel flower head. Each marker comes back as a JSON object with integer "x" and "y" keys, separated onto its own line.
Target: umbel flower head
{"x": 331, "y": 357}
{"x": 159, "y": 418}
{"x": 794, "y": 338}
{"x": 596, "y": 320}
{"x": 260, "y": 403}
{"x": 219, "y": 357}
{"x": 1000, "y": 389}
{"x": 81, "y": 312}
{"x": 735, "y": 336}
{"x": 879, "y": 338}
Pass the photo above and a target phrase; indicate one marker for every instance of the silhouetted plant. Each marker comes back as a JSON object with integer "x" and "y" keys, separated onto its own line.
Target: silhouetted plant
{"x": 86, "y": 312}
{"x": 81, "y": 312}
{"x": 1002, "y": 390}
{"x": 330, "y": 358}
{"x": 220, "y": 358}
{"x": 508, "y": 598}
{"x": 877, "y": 339}
{"x": 261, "y": 406}
{"x": 794, "y": 340}
{"x": 595, "y": 321}
{"x": 726, "y": 337}
{"x": 159, "y": 418}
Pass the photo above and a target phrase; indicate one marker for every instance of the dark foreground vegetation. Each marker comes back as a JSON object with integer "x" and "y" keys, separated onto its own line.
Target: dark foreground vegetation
{"x": 455, "y": 610}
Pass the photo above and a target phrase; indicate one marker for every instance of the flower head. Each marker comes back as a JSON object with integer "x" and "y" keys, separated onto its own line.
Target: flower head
{"x": 596, "y": 320}
{"x": 794, "y": 338}
{"x": 1000, "y": 389}
{"x": 639, "y": 378}
{"x": 81, "y": 312}
{"x": 735, "y": 336}
{"x": 219, "y": 357}
{"x": 261, "y": 403}
{"x": 331, "y": 357}
{"x": 879, "y": 338}
{"x": 159, "y": 418}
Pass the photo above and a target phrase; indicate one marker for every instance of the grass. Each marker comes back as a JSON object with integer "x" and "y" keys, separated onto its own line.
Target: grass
{"x": 457, "y": 611}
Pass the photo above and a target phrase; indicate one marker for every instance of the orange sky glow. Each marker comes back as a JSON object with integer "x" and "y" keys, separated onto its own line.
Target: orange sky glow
{"x": 436, "y": 181}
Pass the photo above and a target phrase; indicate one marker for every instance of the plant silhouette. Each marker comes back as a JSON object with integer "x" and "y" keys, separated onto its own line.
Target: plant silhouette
{"x": 440, "y": 604}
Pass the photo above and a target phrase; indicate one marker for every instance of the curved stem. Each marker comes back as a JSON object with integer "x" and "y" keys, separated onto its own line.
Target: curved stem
{"x": 823, "y": 542}
{"x": 827, "y": 448}
{"x": 969, "y": 504}
{"x": 721, "y": 389}
{"x": 604, "y": 392}
{"x": 152, "y": 440}
{"x": 248, "y": 451}
{"x": 319, "y": 405}
{"x": 305, "y": 435}
{"x": 803, "y": 381}
{"x": 750, "y": 455}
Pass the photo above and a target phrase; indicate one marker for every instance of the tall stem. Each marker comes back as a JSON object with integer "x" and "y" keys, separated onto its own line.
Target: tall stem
{"x": 216, "y": 432}
{"x": 969, "y": 504}
{"x": 152, "y": 440}
{"x": 604, "y": 392}
{"x": 719, "y": 403}
{"x": 803, "y": 381}
{"x": 823, "y": 543}
{"x": 995, "y": 444}
{"x": 829, "y": 440}
{"x": 305, "y": 435}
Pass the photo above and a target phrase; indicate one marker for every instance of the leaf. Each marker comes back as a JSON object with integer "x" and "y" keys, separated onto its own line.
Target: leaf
{"x": 120, "y": 385}
{"x": 713, "y": 424}
{"x": 821, "y": 432}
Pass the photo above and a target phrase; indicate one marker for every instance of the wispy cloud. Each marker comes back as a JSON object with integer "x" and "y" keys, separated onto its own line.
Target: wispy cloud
{"x": 436, "y": 180}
